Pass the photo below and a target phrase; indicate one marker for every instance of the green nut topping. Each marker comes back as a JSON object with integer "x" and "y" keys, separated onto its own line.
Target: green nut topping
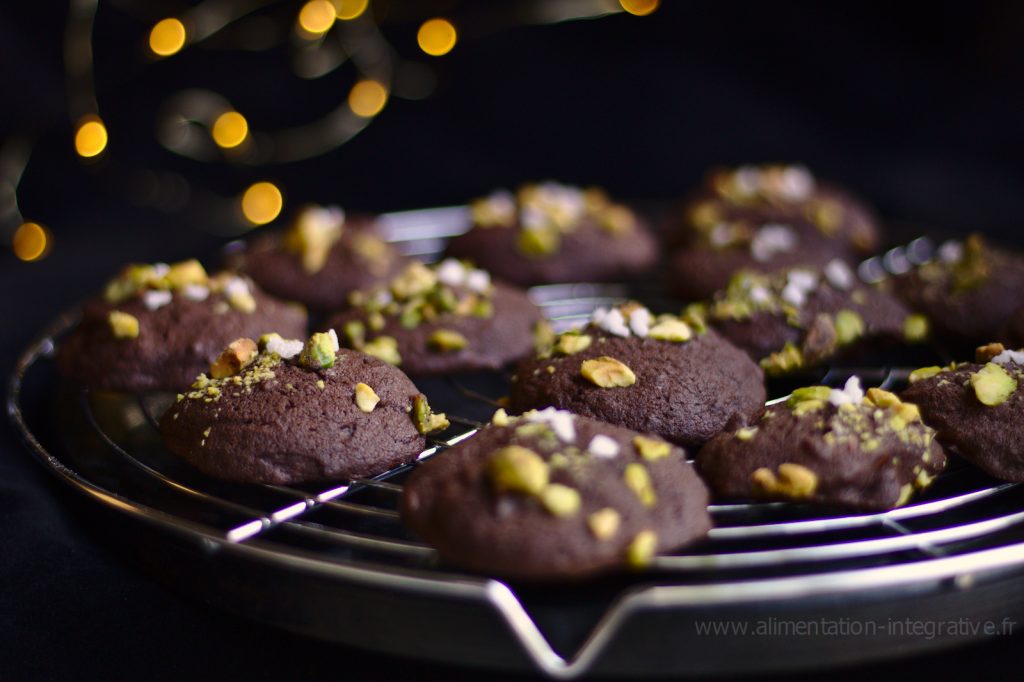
{"x": 972, "y": 270}
{"x": 518, "y": 469}
{"x": 366, "y": 398}
{"x": 318, "y": 353}
{"x": 882, "y": 398}
{"x": 849, "y": 326}
{"x": 641, "y": 550}
{"x": 604, "y": 523}
{"x": 425, "y": 419}
{"x": 794, "y": 481}
{"x": 384, "y": 348}
{"x": 639, "y": 481}
{"x": 786, "y": 360}
{"x": 651, "y": 449}
{"x": 415, "y": 280}
{"x": 569, "y": 344}
{"x": 674, "y": 330}
{"x": 924, "y": 373}
{"x": 993, "y": 385}
{"x": 607, "y": 372}
{"x": 542, "y": 241}
{"x": 355, "y": 333}
{"x": 239, "y": 354}
{"x": 808, "y": 393}
{"x": 447, "y": 340}
{"x": 560, "y": 500}
{"x": 746, "y": 433}
{"x": 986, "y": 353}
{"x": 123, "y": 325}
{"x": 916, "y": 328}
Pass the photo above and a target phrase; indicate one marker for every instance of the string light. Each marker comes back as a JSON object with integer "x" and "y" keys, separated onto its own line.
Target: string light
{"x": 230, "y": 130}
{"x": 31, "y": 242}
{"x": 261, "y": 203}
{"x": 640, "y": 8}
{"x": 167, "y": 37}
{"x": 91, "y": 137}
{"x": 367, "y": 98}
{"x": 347, "y": 10}
{"x": 316, "y": 17}
{"x": 437, "y": 37}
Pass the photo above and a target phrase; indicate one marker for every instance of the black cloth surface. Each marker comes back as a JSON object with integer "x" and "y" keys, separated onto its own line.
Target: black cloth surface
{"x": 917, "y": 106}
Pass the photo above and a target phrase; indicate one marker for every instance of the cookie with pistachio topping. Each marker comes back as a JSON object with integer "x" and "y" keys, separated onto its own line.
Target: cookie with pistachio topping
{"x": 553, "y": 495}
{"x": 284, "y": 411}
{"x": 968, "y": 291}
{"x": 549, "y": 232}
{"x": 157, "y": 326}
{"x": 837, "y": 447}
{"x": 797, "y": 318}
{"x": 436, "y": 319}
{"x": 977, "y": 408}
{"x": 764, "y": 218}
{"x": 320, "y": 259}
{"x": 660, "y": 374}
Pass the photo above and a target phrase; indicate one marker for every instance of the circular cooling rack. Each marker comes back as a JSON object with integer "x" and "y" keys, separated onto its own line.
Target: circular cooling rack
{"x": 776, "y": 586}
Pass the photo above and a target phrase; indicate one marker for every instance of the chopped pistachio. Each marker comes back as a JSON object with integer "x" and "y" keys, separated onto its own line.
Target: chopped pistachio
{"x": 518, "y": 469}
{"x": 607, "y": 372}
{"x": 186, "y": 272}
{"x": 641, "y": 550}
{"x": 906, "y": 492}
{"x": 355, "y": 332}
{"x": 239, "y": 354}
{"x": 366, "y": 397}
{"x": 311, "y": 237}
{"x": 916, "y": 328}
{"x": 794, "y": 481}
{"x": 808, "y": 393}
{"x": 972, "y": 270}
{"x": 924, "y": 373}
{"x": 807, "y": 406}
{"x": 123, "y": 325}
{"x": 319, "y": 352}
{"x": 242, "y": 300}
{"x": 882, "y": 398}
{"x": 543, "y": 336}
{"x": 425, "y": 419}
{"x": 639, "y": 481}
{"x": 671, "y": 330}
{"x": 320, "y": 384}
{"x": 560, "y": 500}
{"x": 375, "y": 320}
{"x": 849, "y": 326}
{"x": 604, "y": 523}
{"x": 538, "y": 242}
{"x": 416, "y": 279}
{"x": 446, "y": 340}
{"x": 570, "y": 344}
{"x": 384, "y": 348}
{"x": 993, "y": 384}
{"x": 500, "y": 417}
{"x": 784, "y": 361}
{"x": 651, "y": 449}
{"x": 988, "y": 351}
{"x": 746, "y": 433}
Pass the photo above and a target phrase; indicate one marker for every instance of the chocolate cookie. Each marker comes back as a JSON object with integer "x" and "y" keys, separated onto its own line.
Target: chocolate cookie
{"x": 827, "y": 446}
{"x": 797, "y": 318}
{"x": 663, "y": 375}
{"x": 284, "y": 412}
{"x": 553, "y": 495}
{"x": 764, "y": 218}
{"x": 157, "y": 326}
{"x": 447, "y": 317}
{"x": 969, "y": 292}
{"x": 555, "y": 233}
{"x": 320, "y": 260}
{"x": 977, "y": 408}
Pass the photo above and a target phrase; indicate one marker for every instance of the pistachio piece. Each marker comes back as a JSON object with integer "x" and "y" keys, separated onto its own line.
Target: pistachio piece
{"x": 425, "y": 419}
{"x": 906, "y": 492}
{"x": 641, "y": 550}
{"x": 607, "y": 372}
{"x": 569, "y": 344}
{"x": 987, "y": 352}
{"x": 639, "y": 481}
{"x": 882, "y": 398}
{"x": 916, "y": 328}
{"x": 972, "y": 270}
{"x": 808, "y": 393}
{"x": 541, "y": 241}
{"x": 355, "y": 332}
{"x": 674, "y": 330}
{"x": 807, "y": 406}
{"x": 319, "y": 351}
{"x": 903, "y": 414}
{"x": 924, "y": 373}
{"x": 500, "y": 417}
{"x": 560, "y": 500}
{"x": 384, "y": 348}
{"x": 447, "y": 340}
{"x": 993, "y": 385}
{"x": 311, "y": 237}
{"x": 746, "y": 433}
{"x": 794, "y": 481}
{"x": 784, "y": 361}
{"x": 543, "y": 336}
{"x": 651, "y": 449}
{"x": 123, "y": 325}
{"x": 366, "y": 397}
{"x": 415, "y": 280}
{"x": 518, "y": 469}
{"x": 604, "y": 523}
{"x": 239, "y": 354}
{"x": 849, "y": 326}
{"x": 186, "y": 272}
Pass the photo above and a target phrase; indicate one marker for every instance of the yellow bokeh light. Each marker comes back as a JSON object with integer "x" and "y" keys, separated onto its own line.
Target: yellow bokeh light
{"x": 347, "y": 10}
{"x": 167, "y": 37}
{"x": 31, "y": 242}
{"x": 261, "y": 203}
{"x": 367, "y": 98}
{"x": 317, "y": 16}
{"x": 640, "y": 8}
{"x": 436, "y": 37}
{"x": 230, "y": 129}
{"x": 90, "y": 137}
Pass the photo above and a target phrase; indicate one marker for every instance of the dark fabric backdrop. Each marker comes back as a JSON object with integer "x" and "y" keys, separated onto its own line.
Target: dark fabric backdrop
{"x": 916, "y": 105}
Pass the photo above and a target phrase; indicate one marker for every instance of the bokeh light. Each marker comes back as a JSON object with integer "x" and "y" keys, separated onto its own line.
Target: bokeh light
{"x": 31, "y": 242}
{"x": 347, "y": 10}
{"x": 316, "y": 17}
{"x": 261, "y": 203}
{"x": 230, "y": 129}
{"x": 640, "y": 8}
{"x": 90, "y": 137}
{"x": 437, "y": 37}
{"x": 167, "y": 37}
{"x": 367, "y": 98}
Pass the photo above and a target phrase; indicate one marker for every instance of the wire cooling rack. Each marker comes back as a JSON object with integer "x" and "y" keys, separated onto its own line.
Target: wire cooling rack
{"x": 776, "y": 586}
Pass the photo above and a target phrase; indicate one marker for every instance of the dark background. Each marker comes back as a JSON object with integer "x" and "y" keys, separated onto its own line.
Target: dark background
{"x": 917, "y": 106}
